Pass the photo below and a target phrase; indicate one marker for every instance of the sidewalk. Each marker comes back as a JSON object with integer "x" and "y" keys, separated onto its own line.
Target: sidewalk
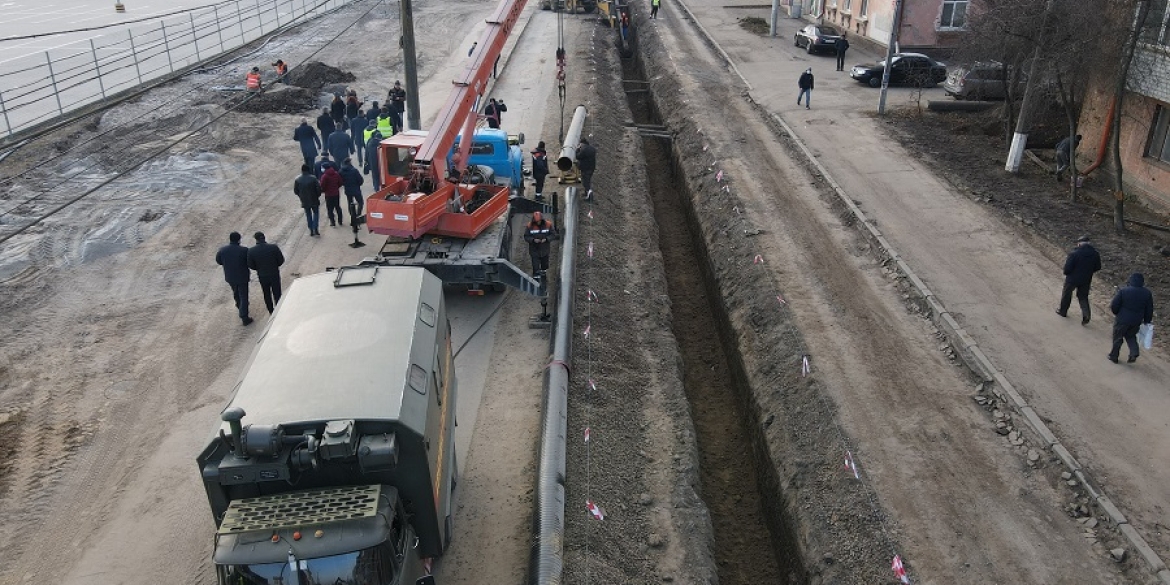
{"x": 1001, "y": 289}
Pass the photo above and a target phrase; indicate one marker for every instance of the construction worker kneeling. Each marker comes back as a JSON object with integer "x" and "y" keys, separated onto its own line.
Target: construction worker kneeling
{"x": 539, "y": 234}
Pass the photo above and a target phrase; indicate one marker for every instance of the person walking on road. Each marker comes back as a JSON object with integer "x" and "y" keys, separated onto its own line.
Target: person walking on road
{"x": 586, "y": 163}
{"x": 307, "y": 137}
{"x": 357, "y": 127}
{"x": 308, "y": 190}
{"x": 234, "y": 259}
{"x": 654, "y": 8}
{"x": 842, "y": 45}
{"x": 539, "y": 234}
{"x": 373, "y": 165}
{"x": 324, "y": 163}
{"x": 1133, "y": 305}
{"x": 386, "y": 122}
{"x": 339, "y": 144}
{"x": 352, "y": 181}
{"x": 397, "y": 102}
{"x": 806, "y": 86}
{"x": 337, "y": 110}
{"x": 539, "y": 169}
{"x": 353, "y": 107}
{"x": 372, "y": 113}
{"x": 266, "y": 259}
{"x": 1079, "y": 267}
{"x": 494, "y": 112}
{"x": 1064, "y": 153}
{"x": 331, "y": 187}
{"x": 325, "y": 124}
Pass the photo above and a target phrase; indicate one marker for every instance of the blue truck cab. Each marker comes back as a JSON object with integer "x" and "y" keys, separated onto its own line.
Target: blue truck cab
{"x": 495, "y": 157}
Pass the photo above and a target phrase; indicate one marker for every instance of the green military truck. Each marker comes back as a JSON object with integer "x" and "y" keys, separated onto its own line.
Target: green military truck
{"x": 335, "y": 458}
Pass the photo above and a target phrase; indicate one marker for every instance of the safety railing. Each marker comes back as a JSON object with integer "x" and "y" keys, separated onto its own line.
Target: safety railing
{"x": 44, "y": 86}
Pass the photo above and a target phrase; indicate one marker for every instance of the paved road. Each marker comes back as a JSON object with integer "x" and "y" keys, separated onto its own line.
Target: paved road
{"x": 1000, "y": 288}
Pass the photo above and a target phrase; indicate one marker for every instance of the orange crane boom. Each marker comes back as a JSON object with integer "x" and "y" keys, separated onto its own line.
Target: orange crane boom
{"x": 429, "y": 201}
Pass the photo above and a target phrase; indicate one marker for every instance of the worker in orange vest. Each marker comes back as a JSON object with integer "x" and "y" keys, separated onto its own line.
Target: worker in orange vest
{"x": 253, "y": 80}
{"x": 281, "y": 69}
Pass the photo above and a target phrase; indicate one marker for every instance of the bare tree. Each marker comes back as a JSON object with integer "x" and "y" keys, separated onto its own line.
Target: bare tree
{"x": 1131, "y": 43}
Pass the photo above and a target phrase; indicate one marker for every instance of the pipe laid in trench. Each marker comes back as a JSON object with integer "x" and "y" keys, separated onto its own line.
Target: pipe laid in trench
{"x": 569, "y": 148}
{"x": 547, "y": 562}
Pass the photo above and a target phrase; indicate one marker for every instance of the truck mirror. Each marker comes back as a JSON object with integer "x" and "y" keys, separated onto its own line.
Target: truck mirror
{"x": 428, "y": 580}
{"x": 521, "y": 138}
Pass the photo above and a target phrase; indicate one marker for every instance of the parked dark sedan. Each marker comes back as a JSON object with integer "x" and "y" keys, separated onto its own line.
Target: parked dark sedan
{"x": 908, "y": 69}
{"x": 817, "y": 37}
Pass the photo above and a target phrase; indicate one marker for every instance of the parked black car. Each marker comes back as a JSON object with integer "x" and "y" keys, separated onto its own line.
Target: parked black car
{"x": 907, "y": 69}
{"x": 817, "y": 37}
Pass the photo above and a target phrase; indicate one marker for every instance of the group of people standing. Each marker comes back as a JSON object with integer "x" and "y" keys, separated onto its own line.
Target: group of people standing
{"x": 1132, "y": 305}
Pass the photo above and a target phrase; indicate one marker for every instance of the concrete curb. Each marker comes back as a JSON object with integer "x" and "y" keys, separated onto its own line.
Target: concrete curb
{"x": 969, "y": 351}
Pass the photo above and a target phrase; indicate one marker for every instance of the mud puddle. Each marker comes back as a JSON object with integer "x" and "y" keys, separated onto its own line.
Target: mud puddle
{"x": 753, "y": 543}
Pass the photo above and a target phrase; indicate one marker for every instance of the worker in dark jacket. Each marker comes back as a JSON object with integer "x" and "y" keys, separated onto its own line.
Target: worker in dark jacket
{"x": 324, "y": 163}
{"x": 1133, "y": 305}
{"x": 337, "y": 109}
{"x": 266, "y": 260}
{"x": 396, "y": 99}
{"x": 539, "y": 234}
{"x": 307, "y": 137}
{"x": 373, "y": 165}
{"x": 352, "y": 181}
{"x": 357, "y": 128}
{"x": 494, "y": 112}
{"x": 841, "y": 45}
{"x": 325, "y": 123}
{"x": 308, "y": 190}
{"x": 1064, "y": 153}
{"x": 331, "y": 187}
{"x": 353, "y": 107}
{"x": 806, "y": 86}
{"x": 539, "y": 169}
{"x": 234, "y": 259}
{"x": 1079, "y": 268}
{"x": 586, "y": 163}
{"x": 339, "y": 144}
{"x": 372, "y": 113}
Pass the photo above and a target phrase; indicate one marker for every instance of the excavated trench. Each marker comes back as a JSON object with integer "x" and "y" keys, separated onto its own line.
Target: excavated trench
{"x": 753, "y": 540}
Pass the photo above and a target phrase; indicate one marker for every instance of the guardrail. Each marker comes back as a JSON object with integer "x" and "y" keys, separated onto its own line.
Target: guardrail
{"x": 42, "y": 87}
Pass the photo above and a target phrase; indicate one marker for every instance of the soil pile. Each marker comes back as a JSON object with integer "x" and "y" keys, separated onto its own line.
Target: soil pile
{"x": 281, "y": 99}
{"x": 315, "y": 75}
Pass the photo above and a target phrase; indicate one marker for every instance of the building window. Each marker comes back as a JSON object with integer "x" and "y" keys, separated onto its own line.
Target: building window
{"x": 864, "y": 11}
{"x": 1159, "y": 144}
{"x": 848, "y": 5}
{"x": 954, "y": 14}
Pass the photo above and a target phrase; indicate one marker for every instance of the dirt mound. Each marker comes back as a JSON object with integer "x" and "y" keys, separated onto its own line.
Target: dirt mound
{"x": 754, "y": 25}
{"x": 282, "y": 99}
{"x": 314, "y": 75}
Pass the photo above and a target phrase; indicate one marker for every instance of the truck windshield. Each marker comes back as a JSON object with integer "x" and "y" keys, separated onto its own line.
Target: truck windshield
{"x": 373, "y": 566}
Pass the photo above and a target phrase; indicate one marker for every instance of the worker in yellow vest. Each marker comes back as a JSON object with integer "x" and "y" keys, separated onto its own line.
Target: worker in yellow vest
{"x": 369, "y": 131}
{"x": 385, "y": 122}
{"x": 253, "y": 80}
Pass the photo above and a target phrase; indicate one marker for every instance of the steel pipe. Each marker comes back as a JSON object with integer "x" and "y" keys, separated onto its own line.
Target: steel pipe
{"x": 569, "y": 148}
{"x": 547, "y": 561}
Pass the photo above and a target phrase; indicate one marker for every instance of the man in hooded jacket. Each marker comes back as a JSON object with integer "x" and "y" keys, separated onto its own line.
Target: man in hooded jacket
{"x": 1133, "y": 305}
{"x": 373, "y": 166}
{"x": 339, "y": 144}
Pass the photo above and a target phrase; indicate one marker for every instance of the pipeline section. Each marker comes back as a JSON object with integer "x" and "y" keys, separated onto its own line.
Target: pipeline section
{"x": 569, "y": 148}
{"x": 547, "y": 560}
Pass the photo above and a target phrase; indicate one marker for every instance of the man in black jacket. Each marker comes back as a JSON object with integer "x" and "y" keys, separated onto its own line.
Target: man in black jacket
{"x": 1079, "y": 267}
{"x": 586, "y": 163}
{"x": 806, "y": 86}
{"x": 307, "y": 138}
{"x": 841, "y": 45}
{"x": 266, "y": 259}
{"x": 308, "y": 190}
{"x": 494, "y": 112}
{"x": 234, "y": 259}
{"x": 351, "y": 182}
{"x": 1133, "y": 305}
{"x": 539, "y": 234}
{"x": 325, "y": 123}
{"x": 373, "y": 164}
{"x": 397, "y": 102}
{"x": 539, "y": 169}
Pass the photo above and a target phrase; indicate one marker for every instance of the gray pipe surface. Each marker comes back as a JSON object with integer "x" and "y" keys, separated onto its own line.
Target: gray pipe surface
{"x": 547, "y": 561}
{"x": 569, "y": 148}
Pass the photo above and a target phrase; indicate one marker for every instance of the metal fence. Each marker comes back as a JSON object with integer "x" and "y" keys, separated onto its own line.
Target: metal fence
{"x": 44, "y": 86}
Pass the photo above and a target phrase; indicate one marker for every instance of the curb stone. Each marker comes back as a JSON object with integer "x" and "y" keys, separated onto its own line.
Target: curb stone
{"x": 980, "y": 365}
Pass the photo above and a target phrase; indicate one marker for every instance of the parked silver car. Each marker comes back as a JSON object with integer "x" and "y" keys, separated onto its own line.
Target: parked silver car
{"x": 978, "y": 81}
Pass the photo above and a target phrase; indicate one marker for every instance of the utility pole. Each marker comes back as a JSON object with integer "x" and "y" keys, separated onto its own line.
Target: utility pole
{"x": 409, "y": 61}
{"x": 775, "y": 15}
{"x": 890, "y": 56}
{"x": 1024, "y": 122}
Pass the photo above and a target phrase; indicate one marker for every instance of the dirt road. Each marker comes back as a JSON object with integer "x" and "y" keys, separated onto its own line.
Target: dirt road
{"x": 122, "y": 346}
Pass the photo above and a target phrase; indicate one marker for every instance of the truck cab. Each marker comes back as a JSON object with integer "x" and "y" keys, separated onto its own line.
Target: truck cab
{"x": 495, "y": 157}
{"x": 334, "y": 461}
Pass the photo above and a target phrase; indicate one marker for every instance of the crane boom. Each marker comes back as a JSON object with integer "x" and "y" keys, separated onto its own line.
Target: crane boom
{"x": 458, "y": 114}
